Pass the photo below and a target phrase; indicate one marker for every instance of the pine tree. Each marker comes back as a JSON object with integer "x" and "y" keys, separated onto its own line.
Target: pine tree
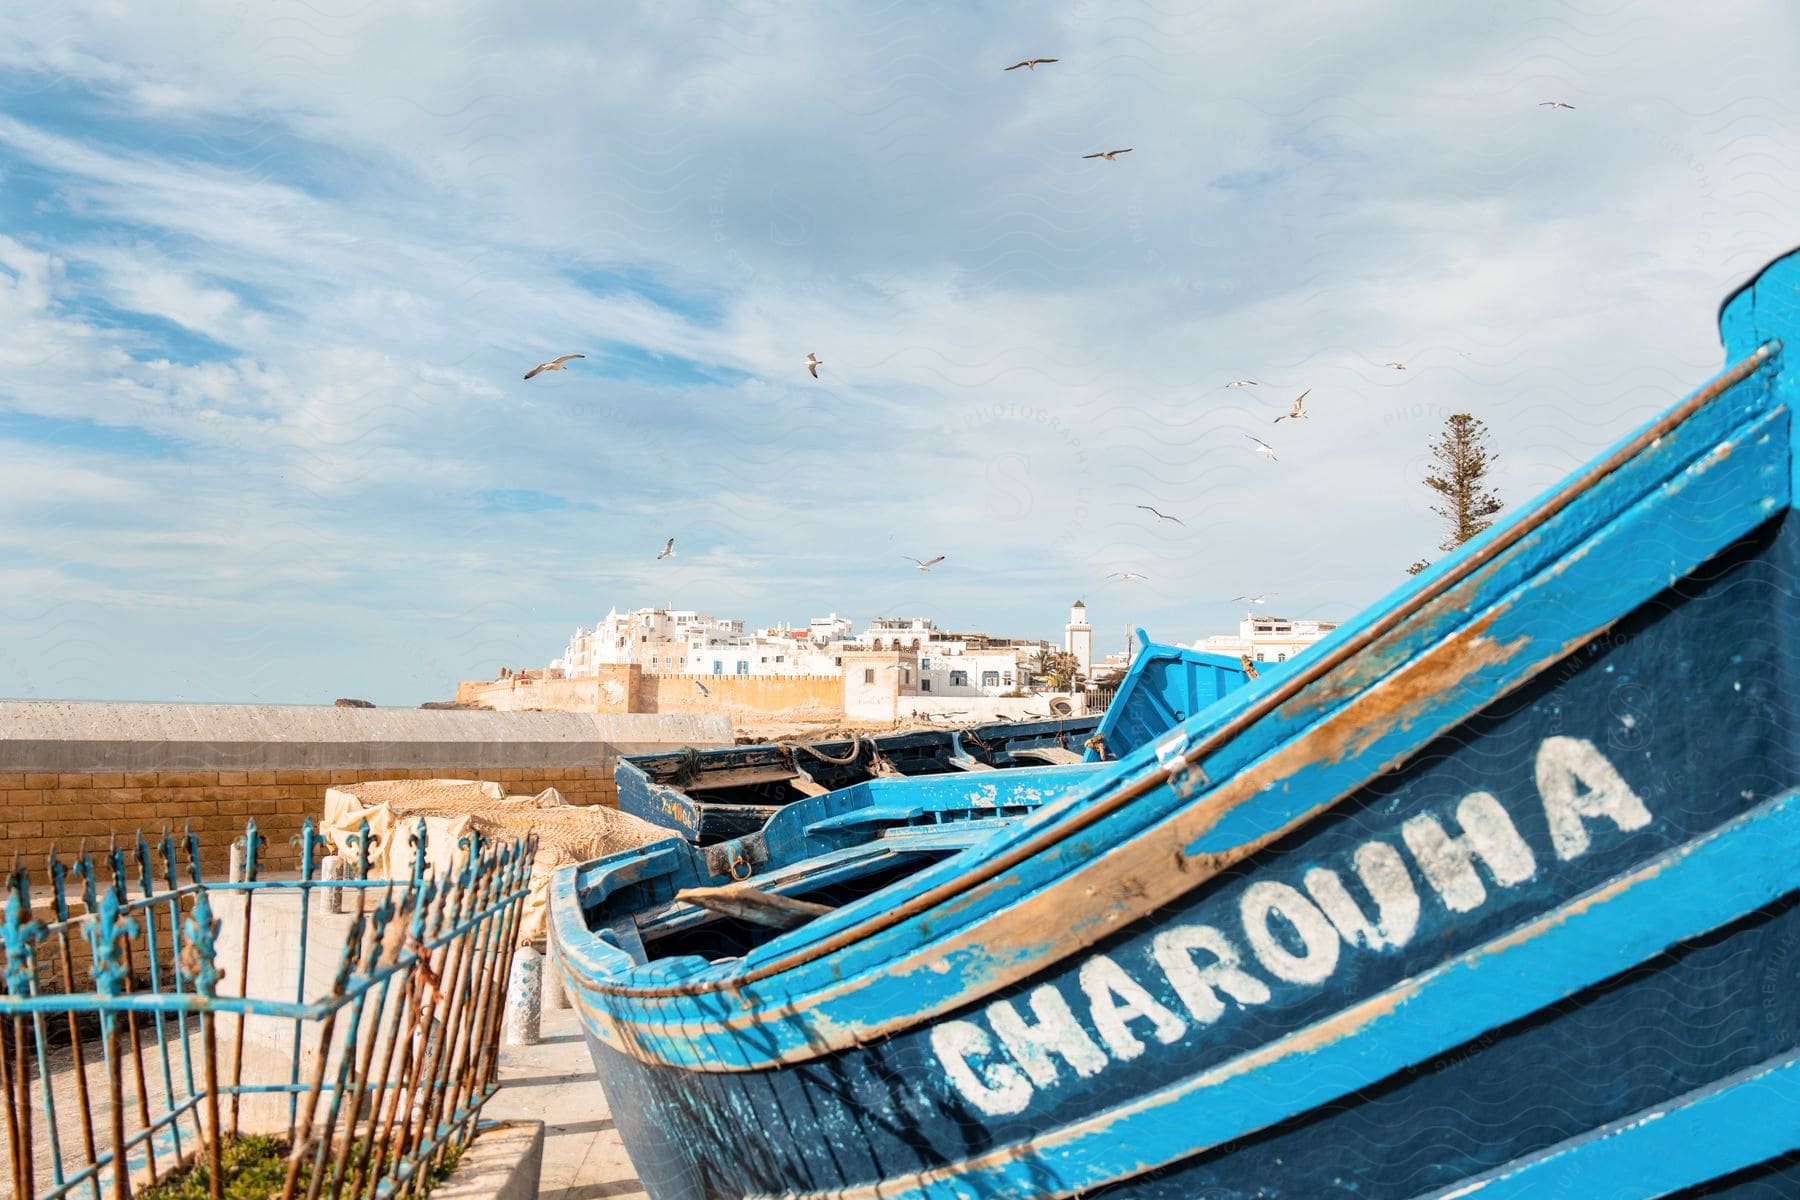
{"x": 1466, "y": 506}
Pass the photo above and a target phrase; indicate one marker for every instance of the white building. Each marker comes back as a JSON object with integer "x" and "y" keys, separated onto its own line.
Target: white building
{"x": 670, "y": 641}
{"x": 950, "y": 663}
{"x": 1267, "y": 639}
{"x": 1078, "y": 639}
{"x": 687, "y": 642}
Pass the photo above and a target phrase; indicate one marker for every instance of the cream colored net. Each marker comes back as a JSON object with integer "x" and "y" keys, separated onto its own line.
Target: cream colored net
{"x": 451, "y": 808}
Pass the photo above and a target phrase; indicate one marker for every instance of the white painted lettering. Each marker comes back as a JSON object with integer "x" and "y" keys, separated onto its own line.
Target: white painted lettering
{"x": 1293, "y": 934}
{"x": 958, "y": 1044}
{"x": 1056, "y": 1032}
{"x": 1115, "y": 999}
{"x": 1385, "y": 877}
{"x": 1563, "y": 763}
{"x": 1198, "y": 987}
{"x": 1264, "y": 898}
{"x": 1448, "y": 862}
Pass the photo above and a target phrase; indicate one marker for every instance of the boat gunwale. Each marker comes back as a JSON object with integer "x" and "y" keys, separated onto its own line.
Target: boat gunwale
{"x": 1286, "y": 687}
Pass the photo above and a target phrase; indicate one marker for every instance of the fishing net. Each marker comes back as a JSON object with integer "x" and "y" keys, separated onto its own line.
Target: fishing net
{"x": 452, "y": 808}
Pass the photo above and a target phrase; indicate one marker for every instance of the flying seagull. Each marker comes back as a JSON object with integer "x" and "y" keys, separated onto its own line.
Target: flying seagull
{"x": 1257, "y": 598}
{"x": 555, "y": 364}
{"x": 1126, "y": 576}
{"x": 1396, "y": 365}
{"x": 812, "y": 364}
{"x": 1030, "y": 64}
{"x": 1162, "y": 516}
{"x": 702, "y": 688}
{"x": 1555, "y": 104}
{"x": 668, "y": 550}
{"x": 1263, "y": 448}
{"x": 1299, "y": 413}
{"x": 1243, "y": 383}
{"x": 925, "y": 564}
{"x": 1108, "y": 155}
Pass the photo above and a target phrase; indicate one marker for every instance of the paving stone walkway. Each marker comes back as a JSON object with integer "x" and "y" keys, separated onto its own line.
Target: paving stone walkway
{"x": 554, "y": 1082}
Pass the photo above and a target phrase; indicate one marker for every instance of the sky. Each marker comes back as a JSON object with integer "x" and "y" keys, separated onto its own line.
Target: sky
{"x": 270, "y": 275}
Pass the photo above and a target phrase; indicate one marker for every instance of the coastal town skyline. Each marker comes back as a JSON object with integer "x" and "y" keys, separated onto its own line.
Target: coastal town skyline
{"x": 269, "y": 280}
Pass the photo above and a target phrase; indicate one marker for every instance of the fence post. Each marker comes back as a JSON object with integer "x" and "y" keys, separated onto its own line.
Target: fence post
{"x": 524, "y": 997}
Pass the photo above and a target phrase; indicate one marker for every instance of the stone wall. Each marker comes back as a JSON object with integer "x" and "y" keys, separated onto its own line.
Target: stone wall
{"x": 797, "y": 697}
{"x": 613, "y": 690}
{"x": 74, "y": 771}
{"x": 629, "y": 688}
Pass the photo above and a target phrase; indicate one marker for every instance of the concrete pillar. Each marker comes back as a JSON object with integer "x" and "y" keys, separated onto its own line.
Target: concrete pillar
{"x": 524, "y": 997}
{"x": 331, "y": 870}
{"x": 235, "y": 870}
{"x": 554, "y": 995}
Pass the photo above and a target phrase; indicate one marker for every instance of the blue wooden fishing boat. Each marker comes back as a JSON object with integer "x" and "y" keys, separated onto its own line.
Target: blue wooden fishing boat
{"x": 1493, "y": 895}
{"x": 708, "y": 796}
{"x": 1164, "y": 686}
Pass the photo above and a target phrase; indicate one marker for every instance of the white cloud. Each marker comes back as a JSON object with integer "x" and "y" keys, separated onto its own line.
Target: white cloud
{"x": 377, "y": 222}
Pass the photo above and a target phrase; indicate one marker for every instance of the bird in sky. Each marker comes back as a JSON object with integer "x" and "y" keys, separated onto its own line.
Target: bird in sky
{"x": 1299, "y": 413}
{"x": 668, "y": 550}
{"x": 555, "y": 364}
{"x": 1162, "y": 516}
{"x": 1256, "y": 597}
{"x": 1555, "y": 104}
{"x": 1030, "y": 64}
{"x": 1398, "y": 366}
{"x": 812, "y": 364}
{"x": 1263, "y": 448}
{"x": 925, "y": 564}
{"x": 1126, "y": 576}
{"x": 1243, "y": 383}
{"x": 702, "y": 688}
{"x": 1108, "y": 155}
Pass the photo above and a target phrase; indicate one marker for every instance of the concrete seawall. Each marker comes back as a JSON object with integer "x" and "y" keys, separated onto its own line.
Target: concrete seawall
{"x": 75, "y": 770}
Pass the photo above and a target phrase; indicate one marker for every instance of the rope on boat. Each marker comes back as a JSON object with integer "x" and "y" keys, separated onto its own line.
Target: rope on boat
{"x": 856, "y": 749}
{"x": 687, "y": 767}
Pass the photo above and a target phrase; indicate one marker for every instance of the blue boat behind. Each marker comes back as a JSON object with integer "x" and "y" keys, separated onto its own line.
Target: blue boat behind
{"x": 1164, "y": 686}
{"x": 1495, "y": 894}
{"x": 708, "y": 796}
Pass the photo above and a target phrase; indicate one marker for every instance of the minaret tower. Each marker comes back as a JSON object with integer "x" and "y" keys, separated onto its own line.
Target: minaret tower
{"x": 1078, "y": 638}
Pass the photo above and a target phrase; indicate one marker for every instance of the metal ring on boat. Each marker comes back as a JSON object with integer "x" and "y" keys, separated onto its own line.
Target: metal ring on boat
{"x": 738, "y": 860}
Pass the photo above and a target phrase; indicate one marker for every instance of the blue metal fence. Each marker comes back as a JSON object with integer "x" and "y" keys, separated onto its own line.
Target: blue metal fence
{"x": 116, "y": 972}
